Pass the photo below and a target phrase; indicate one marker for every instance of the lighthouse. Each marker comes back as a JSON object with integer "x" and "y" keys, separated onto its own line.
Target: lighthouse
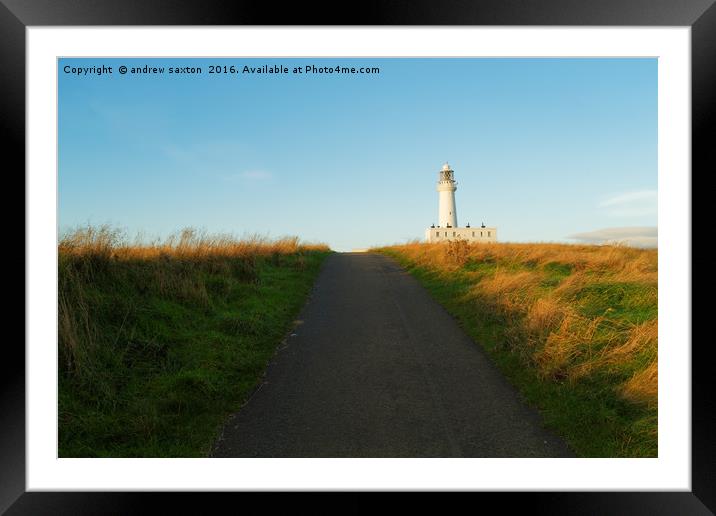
{"x": 447, "y": 228}
{"x": 447, "y": 215}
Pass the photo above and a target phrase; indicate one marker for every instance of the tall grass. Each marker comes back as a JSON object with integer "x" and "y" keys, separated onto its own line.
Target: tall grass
{"x": 574, "y": 321}
{"x": 159, "y": 340}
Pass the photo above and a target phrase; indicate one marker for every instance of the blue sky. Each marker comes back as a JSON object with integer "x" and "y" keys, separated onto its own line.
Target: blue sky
{"x": 544, "y": 149}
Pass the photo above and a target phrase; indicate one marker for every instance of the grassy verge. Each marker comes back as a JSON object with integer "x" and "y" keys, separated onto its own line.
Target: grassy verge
{"x": 159, "y": 343}
{"x": 573, "y": 327}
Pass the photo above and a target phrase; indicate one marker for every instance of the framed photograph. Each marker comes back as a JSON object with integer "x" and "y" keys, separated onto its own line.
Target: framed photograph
{"x": 425, "y": 249}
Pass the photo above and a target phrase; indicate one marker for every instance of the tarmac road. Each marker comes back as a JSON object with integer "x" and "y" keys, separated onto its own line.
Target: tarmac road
{"x": 377, "y": 368}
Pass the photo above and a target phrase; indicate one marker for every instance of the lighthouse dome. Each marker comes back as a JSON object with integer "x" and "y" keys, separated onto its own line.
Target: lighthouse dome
{"x": 446, "y": 167}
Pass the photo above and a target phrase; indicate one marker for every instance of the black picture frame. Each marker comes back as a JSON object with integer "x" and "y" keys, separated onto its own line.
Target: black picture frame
{"x": 700, "y": 15}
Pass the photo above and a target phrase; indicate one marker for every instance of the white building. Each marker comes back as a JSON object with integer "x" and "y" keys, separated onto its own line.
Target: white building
{"x": 447, "y": 228}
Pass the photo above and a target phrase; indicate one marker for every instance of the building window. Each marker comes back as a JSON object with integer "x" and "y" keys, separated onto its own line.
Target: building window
{"x": 446, "y": 233}
{"x": 437, "y": 233}
{"x": 453, "y": 233}
{"x": 473, "y": 234}
{"x": 480, "y": 233}
{"x": 488, "y": 233}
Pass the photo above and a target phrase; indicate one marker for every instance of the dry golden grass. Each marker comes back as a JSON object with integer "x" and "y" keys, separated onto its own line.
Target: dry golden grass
{"x": 107, "y": 242}
{"x": 545, "y": 315}
{"x": 568, "y": 351}
{"x": 574, "y": 311}
{"x": 627, "y": 262}
{"x": 643, "y": 386}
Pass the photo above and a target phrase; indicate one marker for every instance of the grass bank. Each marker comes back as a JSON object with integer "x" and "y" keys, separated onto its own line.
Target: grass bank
{"x": 160, "y": 342}
{"x": 573, "y": 327}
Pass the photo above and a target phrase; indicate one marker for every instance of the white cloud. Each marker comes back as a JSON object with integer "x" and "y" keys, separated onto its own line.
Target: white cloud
{"x": 631, "y": 204}
{"x": 633, "y": 236}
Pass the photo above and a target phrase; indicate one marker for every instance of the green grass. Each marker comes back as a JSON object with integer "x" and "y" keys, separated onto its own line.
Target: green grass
{"x": 629, "y": 302}
{"x": 588, "y": 413}
{"x": 157, "y": 371}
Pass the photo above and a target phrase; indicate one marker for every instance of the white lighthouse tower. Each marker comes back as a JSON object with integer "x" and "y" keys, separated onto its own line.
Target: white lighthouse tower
{"x": 447, "y": 215}
{"x": 447, "y": 228}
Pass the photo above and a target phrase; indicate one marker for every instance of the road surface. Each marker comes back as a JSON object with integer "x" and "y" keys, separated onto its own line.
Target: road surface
{"x": 377, "y": 368}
